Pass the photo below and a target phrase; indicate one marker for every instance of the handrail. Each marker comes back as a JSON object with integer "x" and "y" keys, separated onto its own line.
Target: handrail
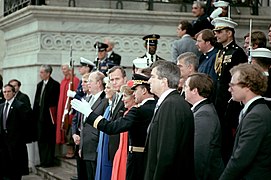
{"x": 11, "y": 6}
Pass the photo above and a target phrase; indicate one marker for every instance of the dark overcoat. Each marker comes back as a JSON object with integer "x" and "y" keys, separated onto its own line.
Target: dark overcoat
{"x": 13, "y": 150}
{"x": 45, "y": 124}
{"x": 170, "y": 141}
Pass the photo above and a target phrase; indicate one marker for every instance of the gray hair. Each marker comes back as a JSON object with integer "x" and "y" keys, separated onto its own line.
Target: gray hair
{"x": 189, "y": 58}
{"x": 47, "y": 68}
{"x": 170, "y": 71}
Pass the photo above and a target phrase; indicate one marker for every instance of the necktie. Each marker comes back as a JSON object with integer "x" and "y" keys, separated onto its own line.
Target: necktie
{"x": 91, "y": 101}
{"x": 5, "y": 116}
{"x": 241, "y": 115}
{"x": 155, "y": 109}
{"x": 115, "y": 102}
{"x": 41, "y": 93}
{"x": 152, "y": 58}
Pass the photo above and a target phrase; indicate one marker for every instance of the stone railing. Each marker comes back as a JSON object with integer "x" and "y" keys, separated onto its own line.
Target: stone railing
{"x": 10, "y": 6}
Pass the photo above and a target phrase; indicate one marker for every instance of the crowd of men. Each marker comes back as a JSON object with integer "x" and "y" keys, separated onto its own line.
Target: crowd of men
{"x": 204, "y": 114}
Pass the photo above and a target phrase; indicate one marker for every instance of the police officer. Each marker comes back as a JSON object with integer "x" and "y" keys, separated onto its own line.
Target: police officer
{"x": 228, "y": 56}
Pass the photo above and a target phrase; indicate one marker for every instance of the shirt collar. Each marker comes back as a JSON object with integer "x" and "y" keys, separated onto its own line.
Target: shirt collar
{"x": 144, "y": 101}
{"x": 10, "y": 101}
{"x": 45, "y": 81}
{"x": 249, "y": 103}
{"x": 185, "y": 35}
{"x": 149, "y": 56}
{"x": 208, "y": 51}
{"x": 164, "y": 95}
{"x": 197, "y": 103}
{"x": 109, "y": 53}
{"x": 97, "y": 95}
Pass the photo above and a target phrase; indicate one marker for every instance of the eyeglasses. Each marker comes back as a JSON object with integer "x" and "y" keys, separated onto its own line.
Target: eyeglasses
{"x": 236, "y": 84}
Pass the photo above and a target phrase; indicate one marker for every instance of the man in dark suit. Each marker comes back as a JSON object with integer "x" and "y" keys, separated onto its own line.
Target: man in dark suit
{"x": 111, "y": 55}
{"x": 207, "y": 144}
{"x": 19, "y": 95}
{"x": 13, "y": 150}
{"x": 170, "y": 139}
{"x": 25, "y": 99}
{"x": 89, "y": 136}
{"x": 251, "y": 153}
{"x": 136, "y": 122}
{"x": 45, "y": 107}
{"x": 117, "y": 77}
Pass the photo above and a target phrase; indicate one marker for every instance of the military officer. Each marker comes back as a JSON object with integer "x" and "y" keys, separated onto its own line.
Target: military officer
{"x": 228, "y": 56}
{"x": 102, "y": 62}
{"x": 151, "y": 42}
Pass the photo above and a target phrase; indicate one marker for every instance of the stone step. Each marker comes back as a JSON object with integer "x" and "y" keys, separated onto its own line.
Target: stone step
{"x": 67, "y": 163}
{"x": 65, "y": 169}
{"x": 55, "y": 173}
{"x": 32, "y": 177}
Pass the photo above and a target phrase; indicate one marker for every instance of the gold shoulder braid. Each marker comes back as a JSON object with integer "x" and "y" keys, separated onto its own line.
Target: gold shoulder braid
{"x": 218, "y": 62}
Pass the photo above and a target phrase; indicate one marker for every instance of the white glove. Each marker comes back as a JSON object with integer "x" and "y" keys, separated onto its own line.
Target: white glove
{"x": 81, "y": 106}
{"x": 216, "y": 13}
{"x": 71, "y": 93}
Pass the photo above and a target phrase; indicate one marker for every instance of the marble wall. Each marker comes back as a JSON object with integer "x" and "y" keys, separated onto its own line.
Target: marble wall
{"x": 39, "y": 35}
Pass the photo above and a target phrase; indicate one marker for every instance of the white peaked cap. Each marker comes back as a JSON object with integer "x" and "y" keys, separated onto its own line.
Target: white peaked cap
{"x": 221, "y": 4}
{"x": 261, "y": 52}
{"x": 85, "y": 61}
{"x": 141, "y": 62}
{"x": 222, "y": 23}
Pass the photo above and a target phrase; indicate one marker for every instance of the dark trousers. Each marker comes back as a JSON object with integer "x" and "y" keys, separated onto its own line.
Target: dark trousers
{"x": 80, "y": 165}
{"x": 90, "y": 169}
{"x": 135, "y": 166}
{"x": 47, "y": 153}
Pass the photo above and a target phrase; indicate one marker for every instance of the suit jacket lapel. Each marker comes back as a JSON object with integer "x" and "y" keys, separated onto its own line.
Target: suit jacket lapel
{"x": 155, "y": 114}
{"x": 98, "y": 101}
{"x": 258, "y": 101}
{"x": 200, "y": 104}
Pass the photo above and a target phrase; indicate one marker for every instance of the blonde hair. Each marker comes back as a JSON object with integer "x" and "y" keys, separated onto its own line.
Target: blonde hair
{"x": 125, "y": 89}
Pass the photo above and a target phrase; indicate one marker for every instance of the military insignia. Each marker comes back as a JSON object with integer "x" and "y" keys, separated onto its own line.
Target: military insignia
{"x": 227, "y": 59}
{"x": 104, "y": 67}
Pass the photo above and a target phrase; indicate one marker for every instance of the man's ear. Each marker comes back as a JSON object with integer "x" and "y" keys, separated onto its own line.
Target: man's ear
{"x": 194, "y": 91}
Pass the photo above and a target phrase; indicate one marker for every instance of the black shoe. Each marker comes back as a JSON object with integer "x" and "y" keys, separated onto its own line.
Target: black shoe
{"x": 74, "y": 178}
